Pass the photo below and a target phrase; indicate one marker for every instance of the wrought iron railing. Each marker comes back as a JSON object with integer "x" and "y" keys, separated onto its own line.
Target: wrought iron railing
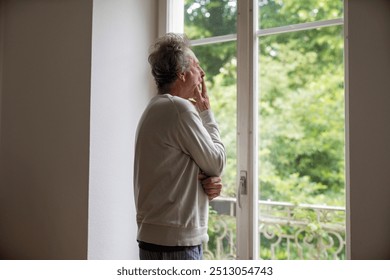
{"x": 286, "y": 231}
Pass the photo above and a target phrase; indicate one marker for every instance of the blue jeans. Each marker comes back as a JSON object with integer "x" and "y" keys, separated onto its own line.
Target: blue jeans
{"x": 188, "y": 253}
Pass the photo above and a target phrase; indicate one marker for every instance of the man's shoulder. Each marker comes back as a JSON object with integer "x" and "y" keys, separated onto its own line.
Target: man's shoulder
{"x": 167, "y": 104}
{"x": 181, "y": 105}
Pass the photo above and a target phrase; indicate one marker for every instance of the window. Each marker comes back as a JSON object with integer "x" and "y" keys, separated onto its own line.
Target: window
{"x": 275, "y": 74}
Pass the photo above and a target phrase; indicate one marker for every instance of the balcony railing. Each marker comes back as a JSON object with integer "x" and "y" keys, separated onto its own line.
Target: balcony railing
{"x": 286, "y": 231}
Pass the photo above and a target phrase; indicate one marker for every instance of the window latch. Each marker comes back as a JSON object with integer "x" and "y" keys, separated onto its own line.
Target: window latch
{"x": 242, "y": 188}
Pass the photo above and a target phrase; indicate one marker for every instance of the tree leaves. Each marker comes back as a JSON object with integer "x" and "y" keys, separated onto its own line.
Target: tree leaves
{"x": 301, "y": 96}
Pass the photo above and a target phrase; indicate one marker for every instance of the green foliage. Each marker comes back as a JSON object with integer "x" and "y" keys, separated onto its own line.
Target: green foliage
{"x": 314, "y": 244}
{"x": 207, "y": 18}
{"x": 274, "y": 13}
{"x": 302, "y": 118}
{"x": 222, "y": 236}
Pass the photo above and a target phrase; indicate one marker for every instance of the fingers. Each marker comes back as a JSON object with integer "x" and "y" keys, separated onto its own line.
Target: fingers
{"x": 213, "y": 190}
{"x": 204, "y": 89}
{"x": 198, "y": 91}
{"x": 212, "y": 194}
{"x": 211, "y": 180}
{"x": 212, "y": 187}
{"x": 202, "y": 101}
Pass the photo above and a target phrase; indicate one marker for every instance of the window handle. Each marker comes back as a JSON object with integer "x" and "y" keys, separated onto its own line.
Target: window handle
{"x": 242, "y": 188}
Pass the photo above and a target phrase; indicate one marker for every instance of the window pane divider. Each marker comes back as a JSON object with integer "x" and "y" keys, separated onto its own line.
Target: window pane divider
{"x": 214, "y": 40}
{"x": 247, "y": 57}
{"x": 299, "y": 27}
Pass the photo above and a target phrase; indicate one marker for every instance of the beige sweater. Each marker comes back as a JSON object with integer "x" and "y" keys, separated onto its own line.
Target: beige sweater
{"x": 173, "y": 144}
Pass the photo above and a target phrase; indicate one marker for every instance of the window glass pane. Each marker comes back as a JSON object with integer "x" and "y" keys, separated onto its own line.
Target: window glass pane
{"x": 208, "y": 18}
{"x": 301, "y": 145}
{"x": 276, "y": 13}
{"x": 219, "y": 62}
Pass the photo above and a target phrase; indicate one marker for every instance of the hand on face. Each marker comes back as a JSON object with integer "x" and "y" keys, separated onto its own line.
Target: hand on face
{"x": 197, "y": 86}
{"x": 201, "y": 99}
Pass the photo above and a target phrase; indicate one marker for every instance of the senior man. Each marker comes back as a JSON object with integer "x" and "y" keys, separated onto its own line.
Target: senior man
{"x": 179, "y": 156}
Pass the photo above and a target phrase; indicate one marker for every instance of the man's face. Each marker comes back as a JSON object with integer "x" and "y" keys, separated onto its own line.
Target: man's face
{"x": 194, "y": 76}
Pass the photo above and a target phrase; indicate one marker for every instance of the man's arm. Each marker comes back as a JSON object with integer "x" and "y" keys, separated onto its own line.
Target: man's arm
{"x": 199, "y": 135}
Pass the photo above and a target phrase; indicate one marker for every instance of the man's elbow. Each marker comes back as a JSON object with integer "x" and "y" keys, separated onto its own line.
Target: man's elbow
{"x": 217, "y": 165}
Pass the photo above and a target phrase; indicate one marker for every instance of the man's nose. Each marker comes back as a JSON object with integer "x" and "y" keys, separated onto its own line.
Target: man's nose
{"x": 202, "y": 73}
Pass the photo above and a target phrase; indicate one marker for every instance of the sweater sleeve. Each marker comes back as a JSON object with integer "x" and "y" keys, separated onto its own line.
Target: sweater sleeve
{"x": 199, "y": 138}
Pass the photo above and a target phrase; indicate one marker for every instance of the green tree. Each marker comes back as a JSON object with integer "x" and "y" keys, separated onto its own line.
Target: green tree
{"x": 301, "y": 106}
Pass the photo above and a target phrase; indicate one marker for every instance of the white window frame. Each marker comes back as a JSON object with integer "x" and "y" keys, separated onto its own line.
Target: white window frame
{"x": 170, "y": 16}
{"x": 247, "y": 136}
{"x": 171, "y": 19}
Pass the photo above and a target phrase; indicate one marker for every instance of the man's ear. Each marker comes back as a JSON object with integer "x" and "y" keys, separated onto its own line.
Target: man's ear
{"x": 181, "y": 76}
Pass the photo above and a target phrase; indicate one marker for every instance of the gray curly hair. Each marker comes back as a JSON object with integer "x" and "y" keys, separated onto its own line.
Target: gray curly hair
{"x": 168, "y": 57}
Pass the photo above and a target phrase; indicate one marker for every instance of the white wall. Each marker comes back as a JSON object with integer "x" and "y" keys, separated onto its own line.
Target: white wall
{"x": 121, "y": 86}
